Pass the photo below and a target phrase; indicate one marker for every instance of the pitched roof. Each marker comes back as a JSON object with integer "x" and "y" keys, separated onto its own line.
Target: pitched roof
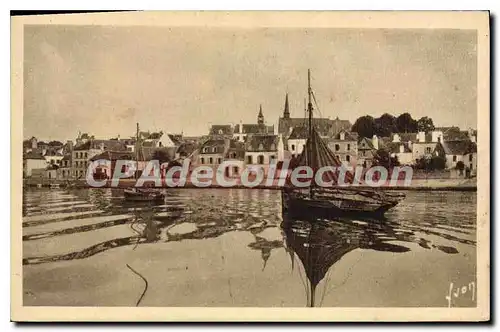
{"x": 115, "y": 145}
{"x": 459, "y": 147}
{"x": 254, "y": 128}
{"x": 322, "y": 125}
{"x": 349, "y": 136}
{"x": 175, "y": 138}
{"x": 365, "y": 144}
{"x": 395, "y": 147}
{"x": 221, "y": 130}
{"x": 299, "y": 132}
{"x": 114, "y": 155}
{"x": 262, "y": 143}
{"x": 51, "y": 152}
{"x": 405, "y": 137}
{"x": 212, "y": 146}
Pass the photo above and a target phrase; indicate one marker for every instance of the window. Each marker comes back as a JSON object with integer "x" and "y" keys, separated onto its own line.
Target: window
{"x": 235, "y": 170}
{"x": 454, "y": 158}
{"x": 273, "y": 147}
{"x": 339, "y": 157}
{"x": 210, "y": 160}
{"x": 337, "y": 147}
{"x": 260, "y": 159}
{"x": 293, "y": 147}
{"x": 470, "y": 157}
{"x": 249, "y": 159}
{"x": 205, "y": 149}
{"x": 220, "y": 132}
{"x": 202, "y": 160}
{"x": 348, "y": 147}
{"x": 214, "y": 149}
{"x": 348, "y": 158}
{"x": 85, "y": 155}
{"x": 219, "y": 160}
{"x": 428, "y": 150}
{"x": 470, "y": 166}
{"x": 261, "y": 147}
{"x": 124, "y": 168}
{"x": 272, "y": 157}
{"x": 303, "y": 146}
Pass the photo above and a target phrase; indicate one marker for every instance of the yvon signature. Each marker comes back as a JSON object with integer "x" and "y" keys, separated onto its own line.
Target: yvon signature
{"x": 461, "y": 292}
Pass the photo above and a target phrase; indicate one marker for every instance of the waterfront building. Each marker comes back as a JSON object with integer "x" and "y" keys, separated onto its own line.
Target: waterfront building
{"x": 33, "y": 160}
{"x": 367, "y": 148}
{"x": 345, "y": 146}
{"x": 459, "y": 150}
{"x": 263, "y": 149}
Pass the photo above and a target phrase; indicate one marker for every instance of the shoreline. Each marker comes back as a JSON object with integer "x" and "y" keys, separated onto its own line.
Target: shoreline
{"x": 417, "y": 185}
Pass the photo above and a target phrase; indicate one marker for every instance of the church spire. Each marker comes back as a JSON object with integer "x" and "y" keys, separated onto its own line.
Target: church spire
{"x": 260, "y": 118}
{"x": 286, "y": 112}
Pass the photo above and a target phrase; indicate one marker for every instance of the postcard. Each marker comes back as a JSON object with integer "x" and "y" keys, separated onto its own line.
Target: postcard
{"x": 250, "y": 166}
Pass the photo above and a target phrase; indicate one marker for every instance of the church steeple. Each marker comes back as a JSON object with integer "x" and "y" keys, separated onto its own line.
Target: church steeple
{"x": 260, "y": 118}
{"x": 286, "y": 112}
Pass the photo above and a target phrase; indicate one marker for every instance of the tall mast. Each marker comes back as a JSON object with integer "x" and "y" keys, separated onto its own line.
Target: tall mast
{"x": 310, "y": 144}
{"x": 136, "y": 150}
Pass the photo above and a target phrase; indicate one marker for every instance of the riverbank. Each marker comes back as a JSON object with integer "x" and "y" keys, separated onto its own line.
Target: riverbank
{"x": 417, "y": 184}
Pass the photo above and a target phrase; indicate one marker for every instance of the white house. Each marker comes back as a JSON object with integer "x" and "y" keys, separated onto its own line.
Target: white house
{"x": 297, "y": 140}
{"x": 31, "y": 161}
{"x": 263, "y": 149}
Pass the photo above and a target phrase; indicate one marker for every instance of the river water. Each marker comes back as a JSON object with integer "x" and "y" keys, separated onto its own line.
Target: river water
{"x": 233, "y": 247}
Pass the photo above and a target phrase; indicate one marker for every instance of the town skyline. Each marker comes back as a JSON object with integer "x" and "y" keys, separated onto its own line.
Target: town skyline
{"x": 175, "y": 80}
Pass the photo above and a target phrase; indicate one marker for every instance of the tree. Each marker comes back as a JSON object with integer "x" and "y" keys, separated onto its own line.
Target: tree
{"x": 161, "y": 155}
{"x": 383, "y": 158}
{"x": 460, "y": 166}
{"x": 364, "y": 126}
{"x": 385, "y": 125}
{"x": 406, "y": 124}
{"x": 431, "y": 164}
{"x": 438, "y": 163}
{"x": 425, "y": 124}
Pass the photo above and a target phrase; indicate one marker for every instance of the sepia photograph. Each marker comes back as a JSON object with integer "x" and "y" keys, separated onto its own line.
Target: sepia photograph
{"x": 218, "y": 166}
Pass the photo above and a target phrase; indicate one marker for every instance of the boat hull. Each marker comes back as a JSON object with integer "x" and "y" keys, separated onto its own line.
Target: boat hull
{"x": 137, "y": 196}
{"x": 335, "y": 207}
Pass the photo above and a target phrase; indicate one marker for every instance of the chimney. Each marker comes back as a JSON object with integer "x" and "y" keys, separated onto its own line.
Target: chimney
{"x": 396, "y": 138}
{"x": 240, "y": 129}
{"x": 281, "y": 148}
{"x": 401, "y": 148}
{"x": 375, "y": 142}
{"x": 421, "y": 137}
{"x": 69, "y": 144}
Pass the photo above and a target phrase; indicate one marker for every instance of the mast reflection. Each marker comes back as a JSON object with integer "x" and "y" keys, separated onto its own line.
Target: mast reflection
{"x": 320, "y": 243}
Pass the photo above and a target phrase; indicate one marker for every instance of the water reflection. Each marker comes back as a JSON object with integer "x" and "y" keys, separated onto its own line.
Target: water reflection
{"x": 320, "y": 243}
{"x": 62, "y": 225}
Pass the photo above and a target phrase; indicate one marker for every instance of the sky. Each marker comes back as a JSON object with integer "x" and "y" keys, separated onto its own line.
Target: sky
{"x": 103, "y": 79}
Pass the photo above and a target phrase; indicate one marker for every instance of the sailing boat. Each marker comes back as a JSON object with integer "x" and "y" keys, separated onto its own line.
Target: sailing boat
{"x": 333, "y": 200}
{"x": 142, "y": 194}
